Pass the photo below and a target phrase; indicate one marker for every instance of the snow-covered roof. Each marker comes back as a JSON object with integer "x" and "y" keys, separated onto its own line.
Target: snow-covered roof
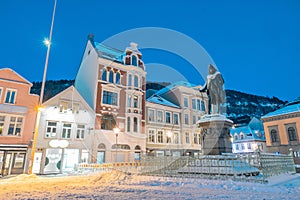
{"x": 159, "y": 100}
{"x": 253, "y": 131}
{"x": 109, "y": 53}
{"x": 289, "y": 108}
{"x": 174, "y": 85}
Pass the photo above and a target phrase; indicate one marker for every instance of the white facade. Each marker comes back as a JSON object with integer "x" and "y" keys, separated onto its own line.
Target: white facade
{"x": 65, "y": 134}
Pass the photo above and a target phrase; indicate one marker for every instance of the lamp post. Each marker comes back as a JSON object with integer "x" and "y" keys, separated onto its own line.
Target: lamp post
{"x": 47, "y": 42}
{"x": 169, "y": 136}
{"x": 116, "y": 131}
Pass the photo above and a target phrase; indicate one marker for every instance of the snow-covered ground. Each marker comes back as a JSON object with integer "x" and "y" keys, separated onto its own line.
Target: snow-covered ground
{"x": 118, "y": 185}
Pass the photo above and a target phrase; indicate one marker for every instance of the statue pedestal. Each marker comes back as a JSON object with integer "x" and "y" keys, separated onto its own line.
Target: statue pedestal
{"x": 215, "y": 134}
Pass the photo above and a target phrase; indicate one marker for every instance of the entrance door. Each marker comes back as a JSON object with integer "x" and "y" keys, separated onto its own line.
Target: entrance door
{"x": 7, "y": 164}
{"x": 100, "y": 157}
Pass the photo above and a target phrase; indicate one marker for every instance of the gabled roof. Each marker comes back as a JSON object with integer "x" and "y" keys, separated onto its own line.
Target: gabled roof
{"x": 159, "y": 100}
{"x": 253, "y": 131}
{"x": 11, "y": 75}
{"x": 174, "y": 85}
{"x": 74, "y": 92}
{"x": 289, "y": 108}
{"x": 109, "y": 53}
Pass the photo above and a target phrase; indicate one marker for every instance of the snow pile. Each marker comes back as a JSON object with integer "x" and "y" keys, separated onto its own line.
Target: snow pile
{"x": 113, "y": 177}
{"x": 23, "y": 177}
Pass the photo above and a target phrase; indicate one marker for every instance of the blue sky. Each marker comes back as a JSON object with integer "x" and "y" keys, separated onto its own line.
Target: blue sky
{"x": 255, "y": 44}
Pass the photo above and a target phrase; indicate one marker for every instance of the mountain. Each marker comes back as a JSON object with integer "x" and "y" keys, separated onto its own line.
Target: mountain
{"x": 240, "y": 107}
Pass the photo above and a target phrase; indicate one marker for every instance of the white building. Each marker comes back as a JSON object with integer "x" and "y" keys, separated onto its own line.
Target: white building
{"x": 180, "y": 99}
{"x": 248, "y": 138}
{"x": 65, "y": 134}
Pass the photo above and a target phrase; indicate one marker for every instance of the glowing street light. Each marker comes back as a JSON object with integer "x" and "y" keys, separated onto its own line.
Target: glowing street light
{"x": 47, "y": 42}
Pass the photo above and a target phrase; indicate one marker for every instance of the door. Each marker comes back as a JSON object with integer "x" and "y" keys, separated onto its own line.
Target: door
{"x": 7, "y": 164}
{"x": 100, "y": 157}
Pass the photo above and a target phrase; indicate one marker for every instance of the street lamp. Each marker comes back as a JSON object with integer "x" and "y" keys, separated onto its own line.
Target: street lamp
{"x": 169, "y": 136}
{"x": 116, "y": 131}
{"x": 35, "y": 134}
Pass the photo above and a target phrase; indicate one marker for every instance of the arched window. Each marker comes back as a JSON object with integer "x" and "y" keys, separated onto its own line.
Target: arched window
{"x": 129, "y": 81}
{"x": 135, "y": 124}
{"x": 292, "y": 134}
{"x": 242, "y": 136}
{"x": 118, "y": 78}
{"x": 104, "y": 75}
{"x": 236, "y": 137}
{"x": 137, "y": 147}
{"x": 111, "y": 76}
{"x": 108, "y": 122}
{"x": 101, "y": 146}
{"x": 128, "y": 124}
{"x": 134, "y": 61}
{"x": 136, "y": 81}
{"x": 274, "y": 136}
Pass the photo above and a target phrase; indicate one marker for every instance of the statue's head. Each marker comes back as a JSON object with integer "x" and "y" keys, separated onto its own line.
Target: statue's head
{"x": 211, "y": 69}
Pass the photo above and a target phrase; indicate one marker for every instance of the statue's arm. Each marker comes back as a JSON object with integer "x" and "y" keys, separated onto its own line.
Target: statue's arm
{"x": 204, "y": 88}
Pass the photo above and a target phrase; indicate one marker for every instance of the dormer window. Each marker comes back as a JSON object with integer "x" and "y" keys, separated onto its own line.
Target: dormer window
{"x": 111, "y": 76}
{"x": 63, "y": 106}
{"x": 134, "y": 60}
{"x": 104, "y": 75}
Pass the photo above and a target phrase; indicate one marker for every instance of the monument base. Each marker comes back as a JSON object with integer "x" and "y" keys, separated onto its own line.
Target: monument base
{"x": 215, "y": 134}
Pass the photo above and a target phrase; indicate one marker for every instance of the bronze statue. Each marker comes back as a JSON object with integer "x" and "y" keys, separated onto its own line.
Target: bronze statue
{"x": 214, "y": 90}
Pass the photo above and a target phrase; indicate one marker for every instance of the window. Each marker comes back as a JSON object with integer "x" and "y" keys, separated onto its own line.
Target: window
{"x": 242, "y": 136}
{"x": 187, "y": 138}
{"x": 176, "y": 138}
{"x": 134, "y": 61}
{"x": 108, "y": 122}
{"x": 129, "y": 81}
{"x": 151, "y": 136}
{"x": 236, "y": 137}
{"x": 118, "y": 78}
{"x": 66, "y": 131}
{"x": 194, "y": 119}
{"x": 104, "y": 75}
{"x": 80, "y": 131}
{"x": 292, "y": 134}
{"x": 175, "y": 118}
{"x": 10, "y": 96}
{"x": 2, "y": 120}
{"x": 202, "y": 106}
{"x": 199, "y": 138}
{"x": 51, "y": 129}
{"x": 135, "y": 101}
{"x": 195, "y": 138}
{"x": 129, "y": 101}
{"x": 110, "y": 98}
{"x": 236, "y": 146}
{"x": 185, "y": 102}
{"x": 111, "y": 76}
{"x": 159, "y": 116}
{"x": 194, "y": 105}
{"x": 186, "y": 119}
{"x": 150, "y": 115}
{"x": 243, "y": 146}
{"x": 274, "y": 136}
{"x": 249, "y": 145}
{"x": 168, "y": 117}
{"x": 75, "y": 108}
{"x": 135, "y": 124}
{"x": 168, "y": 137}
{"x": 15, "y": 126}
{"x": 136, "y": 81}
{"x": 198, "y": 104}
{"x": 128, "y": 124}
{"x": 0, "y": 92}
{"x": 160, "y": 137}
{"x": 63, "y": 106}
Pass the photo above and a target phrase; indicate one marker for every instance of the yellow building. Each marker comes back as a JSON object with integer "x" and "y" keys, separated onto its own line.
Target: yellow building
{"x": 281, "y": 130}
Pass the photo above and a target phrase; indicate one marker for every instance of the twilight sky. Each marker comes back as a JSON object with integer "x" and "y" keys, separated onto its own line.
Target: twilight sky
{"x": 255, "y": 44}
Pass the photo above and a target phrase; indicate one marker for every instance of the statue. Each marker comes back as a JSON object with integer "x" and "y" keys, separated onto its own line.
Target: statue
{"x": 214, "y": 90}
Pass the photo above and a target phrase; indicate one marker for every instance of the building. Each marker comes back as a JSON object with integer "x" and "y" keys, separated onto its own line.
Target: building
{"x": 113, "y": 83}
{"x": 282, "y": 130}
{"x": 65, "y": 134}
{"x": 175, "y": 110}
{"x": 17, "y": 121}
{"x": 248, "y": 138}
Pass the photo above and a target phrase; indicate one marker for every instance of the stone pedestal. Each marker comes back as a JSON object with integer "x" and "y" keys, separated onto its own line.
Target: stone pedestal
{"x": 215, "y": 134}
